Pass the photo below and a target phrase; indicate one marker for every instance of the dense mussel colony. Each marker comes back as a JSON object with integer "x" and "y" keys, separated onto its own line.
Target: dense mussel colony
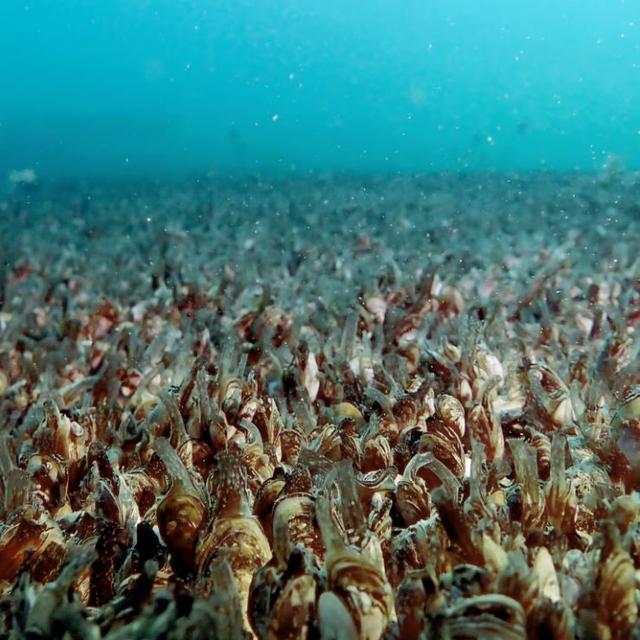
{"x": 317, "y": 409}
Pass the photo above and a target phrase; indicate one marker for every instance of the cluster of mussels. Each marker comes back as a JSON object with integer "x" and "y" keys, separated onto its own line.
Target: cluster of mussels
{"x": 451, "y": 459}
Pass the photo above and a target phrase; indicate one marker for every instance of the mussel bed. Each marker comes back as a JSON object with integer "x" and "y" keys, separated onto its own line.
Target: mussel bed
{"x": 339, "y": 407}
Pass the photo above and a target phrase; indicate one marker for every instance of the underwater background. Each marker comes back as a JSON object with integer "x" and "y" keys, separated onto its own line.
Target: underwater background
{"x": 319, "y": 320}
{"x": 115, "y": 88}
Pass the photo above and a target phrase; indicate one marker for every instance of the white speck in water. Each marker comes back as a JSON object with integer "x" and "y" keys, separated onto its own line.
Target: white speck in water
{"x": 275, "y": 117}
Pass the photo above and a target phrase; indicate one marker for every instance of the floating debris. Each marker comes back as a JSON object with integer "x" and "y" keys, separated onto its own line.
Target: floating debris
{"x": 23, "y": 176}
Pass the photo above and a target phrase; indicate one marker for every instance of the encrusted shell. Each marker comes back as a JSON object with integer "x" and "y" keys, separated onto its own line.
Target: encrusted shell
{"x": 550, "y": 395}
{"x": 181, "y": 515}
{"x": 617, "y": 604}
{"x": 484, "y": 616}
{"x": 451, "y": 412}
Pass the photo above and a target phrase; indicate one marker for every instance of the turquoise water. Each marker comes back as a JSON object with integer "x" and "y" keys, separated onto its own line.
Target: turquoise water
{"x": 164, "y": 88}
